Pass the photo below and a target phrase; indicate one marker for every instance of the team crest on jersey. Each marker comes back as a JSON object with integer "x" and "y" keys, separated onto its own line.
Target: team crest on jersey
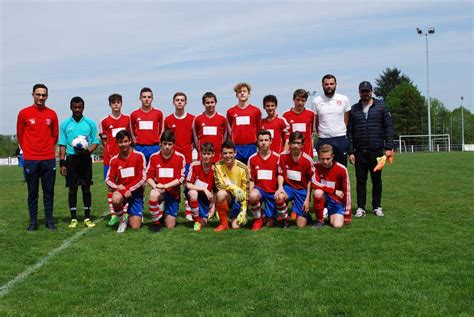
{"x": 203, "y": 124}
{"x": 257, "y": 167}
{"x": 339, "y": 102}
{"x": 173, "y": 126}
{"x": 159, "y": 165}
{"x": 48, "y": 121}
{"x": 292, "y": 121}
{"x": 32, "y": 121}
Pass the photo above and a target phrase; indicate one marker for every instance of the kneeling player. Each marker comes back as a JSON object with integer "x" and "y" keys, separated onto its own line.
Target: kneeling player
{"x": 200, "y": 185}
{"x": 263, "y": 169}
{"x": 331, "y": 189}
{"x": 231, "y": 177}
{"x": 125, "y": 179}
{"x": 295, "y": 170}
{"x": 165, "y": 174}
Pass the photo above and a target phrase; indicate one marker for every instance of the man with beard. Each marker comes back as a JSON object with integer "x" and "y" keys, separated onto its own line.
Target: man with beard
{"x": 370, "y": 134}
{"x": 332, "y": 115}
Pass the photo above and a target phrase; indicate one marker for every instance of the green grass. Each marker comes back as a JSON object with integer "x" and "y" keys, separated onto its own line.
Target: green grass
{"x": 417, "y": 260}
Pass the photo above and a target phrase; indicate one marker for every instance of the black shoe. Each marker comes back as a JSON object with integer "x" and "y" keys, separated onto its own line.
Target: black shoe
{"x": 32, "y": 227}
{"x": 156, "y": 228}
{"x": 318, "y": 225}
{"x": 50, "y": 226}
{"x": 285, "y": 224}
{"x": 309, "y": 219}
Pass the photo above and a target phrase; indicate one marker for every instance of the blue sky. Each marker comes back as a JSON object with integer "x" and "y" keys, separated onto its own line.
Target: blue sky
{"x": 95, "y": 48}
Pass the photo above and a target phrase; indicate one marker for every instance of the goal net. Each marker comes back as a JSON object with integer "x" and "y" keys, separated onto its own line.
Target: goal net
{"x": 420, "y": 143}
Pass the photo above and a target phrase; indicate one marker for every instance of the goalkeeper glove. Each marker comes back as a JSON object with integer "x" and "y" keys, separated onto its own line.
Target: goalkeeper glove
{"x": 242, "y": 218}
{"x": 238, "y": 193}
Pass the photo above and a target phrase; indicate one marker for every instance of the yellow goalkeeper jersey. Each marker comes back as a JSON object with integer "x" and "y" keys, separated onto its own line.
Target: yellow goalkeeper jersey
{"x": 237, "y": 176}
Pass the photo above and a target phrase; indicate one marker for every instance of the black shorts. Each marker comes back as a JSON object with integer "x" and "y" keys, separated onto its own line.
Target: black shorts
{"x": 79, "y": 170}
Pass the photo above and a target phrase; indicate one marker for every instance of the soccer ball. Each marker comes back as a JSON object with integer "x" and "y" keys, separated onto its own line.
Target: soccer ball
{"x": 80, "y": 143}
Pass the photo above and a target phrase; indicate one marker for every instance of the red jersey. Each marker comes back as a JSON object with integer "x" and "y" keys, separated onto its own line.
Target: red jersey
{"x": 280, "y": 130}
{"x": 146, "y": 127}
{"x": 110, "y": 126}
{"x": 199, "y": 177}
{"x": 37, "y": 132}
{"x": 330, "y": 179}
{"x": 163, "y": 170}
{"x": 212, "y": 129}
{"x": 264, "y": 172}
{"x": 129, "y": 172}
{"x": 296, "y": 174}
{"x": 244, "y": 124}
{"x": 183, "y": 131}
{"x": 305, "y": 123}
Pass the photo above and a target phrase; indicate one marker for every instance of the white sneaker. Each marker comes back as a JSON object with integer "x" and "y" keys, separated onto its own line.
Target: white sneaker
{"x": 359, "y": 213}
{"x": 325, "y": 213}
{"x": 122, "y": 227}
{"x": 378, "y": 212}
{"x": 189, "y": 217}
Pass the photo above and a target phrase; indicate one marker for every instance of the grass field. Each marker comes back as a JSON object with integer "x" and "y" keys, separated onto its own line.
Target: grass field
{"x": 417, "y": 260}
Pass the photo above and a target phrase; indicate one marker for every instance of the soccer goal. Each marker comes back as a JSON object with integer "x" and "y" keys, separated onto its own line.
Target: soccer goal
{"x": 420, "y": 143}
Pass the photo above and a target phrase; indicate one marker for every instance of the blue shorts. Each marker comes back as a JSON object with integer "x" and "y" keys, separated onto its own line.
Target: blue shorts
{"x": 244, "y": 152}
{"x": 269, "y": 200}
{"x": 235, "y": 208}
{"x": 135, "y": 203}
{"x": 297, "y": 196}
{"x": 204, "y": 206}
{"x": 334, "y": 207}
{"x": 147, "y": 150}
{"x": 171, "y": 205}
{"x": 106, "y": 170}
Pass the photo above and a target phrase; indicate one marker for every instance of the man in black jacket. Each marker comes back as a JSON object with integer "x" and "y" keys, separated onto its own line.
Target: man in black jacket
{"x": 370, "y": 133}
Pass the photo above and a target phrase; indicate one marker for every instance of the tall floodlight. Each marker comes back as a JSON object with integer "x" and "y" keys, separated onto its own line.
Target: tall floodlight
{"x": 425, "y": 34}
{"x": 462, "y": 124}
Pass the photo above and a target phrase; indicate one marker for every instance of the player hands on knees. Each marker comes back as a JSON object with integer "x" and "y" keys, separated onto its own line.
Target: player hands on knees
{"x": 295, "y": 170}
{"x": 165, "y": 174}
{"x": 200, "y": 185}
{"x": 263, "y": 171}
{"x": 125, "y": 180}
{"x": 331, "y": 189}
{"x": 231, "y": 178}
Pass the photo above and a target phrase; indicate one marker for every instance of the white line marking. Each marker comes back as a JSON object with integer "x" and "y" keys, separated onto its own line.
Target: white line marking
{"x": 6, "y": 288}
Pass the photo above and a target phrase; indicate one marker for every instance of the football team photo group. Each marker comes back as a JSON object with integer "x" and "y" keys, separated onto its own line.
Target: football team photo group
{"x": 251, "y": 161}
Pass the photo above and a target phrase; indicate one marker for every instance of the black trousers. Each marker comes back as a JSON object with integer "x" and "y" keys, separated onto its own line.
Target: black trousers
{"x": 340, "y": 146}
{"x": 365, "y": 161}
{"x": 46, "y": 171}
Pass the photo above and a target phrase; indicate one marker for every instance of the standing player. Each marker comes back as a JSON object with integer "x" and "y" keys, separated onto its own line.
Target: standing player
{"x": 108, "y": 129}
{"x": 332, "y": 189}
{"x": 125, "y": 179}
{"x": 165, "y": 174}
{"x": 200, "y": 185}
{"x": 302, "y": 119}
{"x": 37, "y": 133}
{"x": 231, "y": 179}
{"x": 210, "y": 126}
{"x": 180, "y": 122}
{"x": 278, "y": 126}
{"x": 295, "y": 170}
{"x": 332, "y": 115}
{"x": 146, "y": 125}
{"x": 263, "y": 169}
{"x": 76, "y": 165}
{"x": 245, "y": 121}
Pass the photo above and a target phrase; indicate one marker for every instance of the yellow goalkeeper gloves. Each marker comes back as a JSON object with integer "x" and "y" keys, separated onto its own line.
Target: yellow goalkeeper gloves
{"x": 242, "y": 218}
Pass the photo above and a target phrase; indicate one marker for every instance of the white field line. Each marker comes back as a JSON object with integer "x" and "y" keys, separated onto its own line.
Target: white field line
{"x": 6, "y": 288}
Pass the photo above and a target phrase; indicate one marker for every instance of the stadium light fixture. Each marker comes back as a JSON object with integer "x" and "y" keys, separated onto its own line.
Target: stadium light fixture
{"x": 425, "y": 34}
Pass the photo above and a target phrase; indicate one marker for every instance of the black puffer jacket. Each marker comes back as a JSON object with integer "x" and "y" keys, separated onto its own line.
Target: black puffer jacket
{"x": 374, "y": 133}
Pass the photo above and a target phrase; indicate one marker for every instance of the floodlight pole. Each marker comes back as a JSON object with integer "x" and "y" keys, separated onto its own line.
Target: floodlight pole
{"x": 420, "y": 32}
{"x": 462, "y": 124}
